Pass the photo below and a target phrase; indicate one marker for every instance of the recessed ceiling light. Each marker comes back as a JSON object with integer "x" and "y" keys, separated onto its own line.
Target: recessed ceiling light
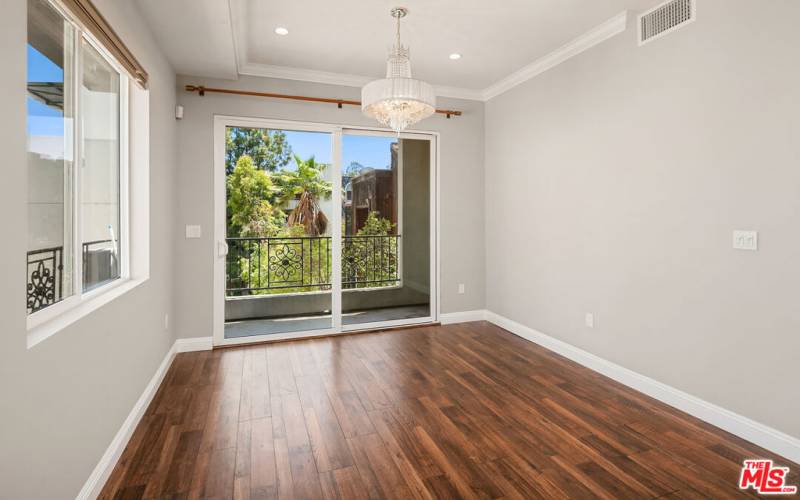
{"x": 455, "y": 56}
{"x": 280, "y": 30}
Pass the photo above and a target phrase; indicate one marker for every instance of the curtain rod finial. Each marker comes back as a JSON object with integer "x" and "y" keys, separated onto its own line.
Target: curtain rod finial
{"x": 196, "y": 88}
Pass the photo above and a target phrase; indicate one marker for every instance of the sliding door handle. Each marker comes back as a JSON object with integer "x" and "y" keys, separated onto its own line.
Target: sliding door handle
{"x": 222, "y": 249}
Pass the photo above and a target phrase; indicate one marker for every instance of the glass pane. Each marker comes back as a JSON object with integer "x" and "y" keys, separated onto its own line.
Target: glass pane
{"x": 100, "y": 179}
{"x": 50, "y": 110}
{"x": 278, "y": 269}
{"x": 386, "y": 229}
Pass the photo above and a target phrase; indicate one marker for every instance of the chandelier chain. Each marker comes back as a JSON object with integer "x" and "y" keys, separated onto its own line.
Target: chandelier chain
{"x": 397, "y": 35}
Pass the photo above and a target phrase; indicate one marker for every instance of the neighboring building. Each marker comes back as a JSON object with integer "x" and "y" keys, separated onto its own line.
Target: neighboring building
{"x": 372, "y": 190}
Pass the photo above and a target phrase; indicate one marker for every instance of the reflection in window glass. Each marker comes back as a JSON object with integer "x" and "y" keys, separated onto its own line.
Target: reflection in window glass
{"x": 50, "y": 112}
{"x": 100, "y": 169}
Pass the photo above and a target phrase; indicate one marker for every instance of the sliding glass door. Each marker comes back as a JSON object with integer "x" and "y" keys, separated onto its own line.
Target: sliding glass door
{"x": 278, "y": 224}
{"x": 320, "y": 230}
{"x": 386, "y": 240}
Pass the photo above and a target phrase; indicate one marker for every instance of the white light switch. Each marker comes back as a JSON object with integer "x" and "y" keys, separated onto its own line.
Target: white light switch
{"x": 589, "y": 320}
{"x": 461, "y": 288}
{"x": 193, "y": 231}
{"x": 745, "y": 240}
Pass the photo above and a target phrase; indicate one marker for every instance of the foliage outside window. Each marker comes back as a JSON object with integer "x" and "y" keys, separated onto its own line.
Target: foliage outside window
{"x": 278, "y": 235}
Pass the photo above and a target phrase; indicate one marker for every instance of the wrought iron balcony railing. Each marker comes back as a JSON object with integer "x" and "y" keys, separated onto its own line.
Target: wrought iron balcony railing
{"x": 257, "y": 266}
{"x": 45, "y": 272}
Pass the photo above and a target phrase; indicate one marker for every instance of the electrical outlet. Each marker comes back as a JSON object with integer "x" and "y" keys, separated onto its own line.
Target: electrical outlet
{"x": 590, "y": 320}
{"x": 461, "y": 288}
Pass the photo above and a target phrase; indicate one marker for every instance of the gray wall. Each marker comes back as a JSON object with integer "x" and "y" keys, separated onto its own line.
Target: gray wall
{"x": 416, "y": 214}
{"x": 62, "y": 401}
{"x": 461, "y": 201}
{"x": 614, "y": 182}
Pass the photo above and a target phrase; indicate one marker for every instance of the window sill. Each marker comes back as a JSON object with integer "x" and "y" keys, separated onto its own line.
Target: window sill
{"x": 43, "y": 331}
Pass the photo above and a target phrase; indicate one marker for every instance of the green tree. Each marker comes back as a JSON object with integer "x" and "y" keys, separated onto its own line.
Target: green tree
{"x": 250, "y": 190}
{"x": 293, "y": 264}
{"x": 287, "y": 259}
{"x": 269, "y": 149}
{"x": 375, "y": 225}
{"x": 307, "y": 185}
{"x": 288, "y": 263}
{"x": 352, "y": 170}
{"x": 307, "y": 177}
{"x": 369, "y": 259}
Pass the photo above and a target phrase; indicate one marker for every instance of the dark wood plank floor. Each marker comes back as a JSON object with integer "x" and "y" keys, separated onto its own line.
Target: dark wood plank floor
{"x": 460, "y": 411}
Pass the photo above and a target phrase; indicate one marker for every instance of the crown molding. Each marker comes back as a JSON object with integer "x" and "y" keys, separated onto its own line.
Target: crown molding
{"x": 302, "y": 74}
{"x": 459, "y": 93}
{"x": 596, "y": 35}
{"x": 343, "y": 79}
{"x": 237, "y": 35}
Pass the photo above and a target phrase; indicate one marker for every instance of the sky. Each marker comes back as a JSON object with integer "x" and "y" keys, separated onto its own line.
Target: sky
{"x": 43, "y": 120}
{"x": 369, "y": 151}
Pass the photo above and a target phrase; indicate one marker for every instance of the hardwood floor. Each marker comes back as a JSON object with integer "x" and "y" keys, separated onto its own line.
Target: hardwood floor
{"x": 459, "y": 411}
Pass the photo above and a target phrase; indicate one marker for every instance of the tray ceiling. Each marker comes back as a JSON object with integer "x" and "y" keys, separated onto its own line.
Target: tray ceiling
{"x": 347, "y": 41}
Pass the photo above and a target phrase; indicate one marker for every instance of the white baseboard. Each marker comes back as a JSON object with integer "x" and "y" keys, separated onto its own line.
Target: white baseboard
{"x": 462, "y": 317}
{"x": 94, "y": 485}
{"x": 760, "y": 434}
{"x": 194, "y": 344}
{"x": 755, "y": 432}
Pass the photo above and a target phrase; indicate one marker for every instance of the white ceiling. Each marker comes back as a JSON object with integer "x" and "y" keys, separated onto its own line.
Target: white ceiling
{"x": 346, "y": 41}
{"x": 196, "y": 35}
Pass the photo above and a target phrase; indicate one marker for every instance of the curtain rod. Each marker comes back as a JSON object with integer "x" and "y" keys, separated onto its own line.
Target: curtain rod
{"x": 201, "y": 90}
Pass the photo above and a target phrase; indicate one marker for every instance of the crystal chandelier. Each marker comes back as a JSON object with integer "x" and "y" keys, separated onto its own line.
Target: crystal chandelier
{"x": 398, "y": 100}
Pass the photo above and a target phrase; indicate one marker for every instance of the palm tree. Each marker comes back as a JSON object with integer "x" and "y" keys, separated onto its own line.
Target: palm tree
{"x": 307, "y": 183}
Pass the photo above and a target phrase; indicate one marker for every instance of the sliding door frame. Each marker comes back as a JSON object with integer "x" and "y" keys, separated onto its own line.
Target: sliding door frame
{"x": 433, "y": 140}
{"x": 219, "y": 247}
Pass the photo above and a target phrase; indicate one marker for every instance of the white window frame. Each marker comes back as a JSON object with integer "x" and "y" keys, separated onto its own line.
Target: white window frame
{"x": 133, "y": 259}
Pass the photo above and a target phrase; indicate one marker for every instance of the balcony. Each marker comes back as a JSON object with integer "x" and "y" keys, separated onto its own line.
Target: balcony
{"x": 45, "y": 270}
{"x": 279, "y": 283}
{"x": 257, "y": 266}
{"x": 47, "y": 281}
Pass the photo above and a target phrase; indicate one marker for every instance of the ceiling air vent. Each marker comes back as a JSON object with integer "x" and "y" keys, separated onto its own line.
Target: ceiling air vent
{"x": 664, "y": 19}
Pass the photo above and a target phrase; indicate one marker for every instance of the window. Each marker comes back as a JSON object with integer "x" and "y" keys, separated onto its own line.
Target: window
{"x": 100, "y": 170}
{"x": 51, "y": 111}
{"x": 77, "y": 127}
